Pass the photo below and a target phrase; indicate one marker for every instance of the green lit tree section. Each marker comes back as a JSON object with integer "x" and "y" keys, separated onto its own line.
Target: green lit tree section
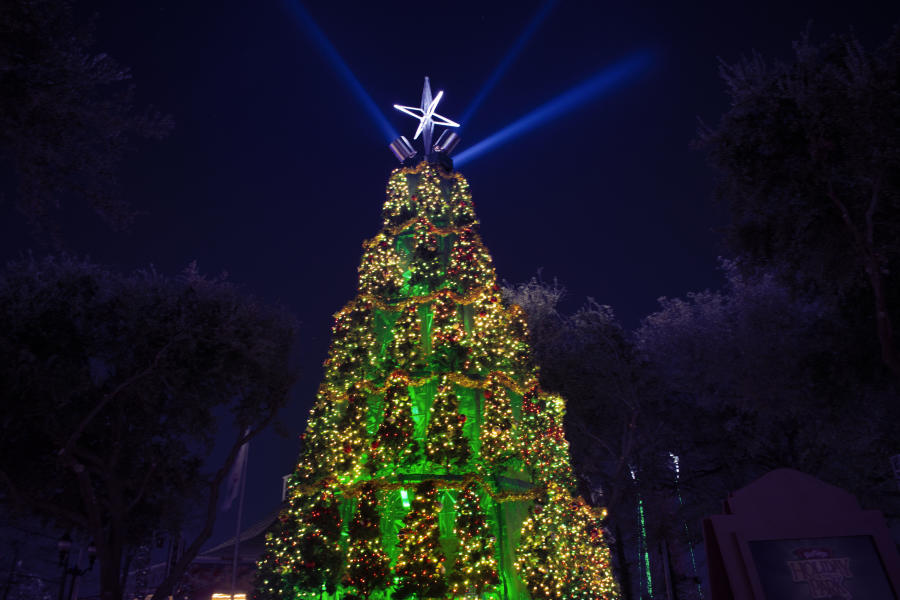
{"x": 475, "y": 567}
{"x": 433, "y": 466}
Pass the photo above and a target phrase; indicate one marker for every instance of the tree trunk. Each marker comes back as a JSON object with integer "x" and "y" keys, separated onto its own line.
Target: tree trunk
{"x": 167, "y": 587}
{"x": 624, "y": 571}
{"x": 866, "y": 247}
{"x": 882, "y": 318}
{"x": 110, "y": 577}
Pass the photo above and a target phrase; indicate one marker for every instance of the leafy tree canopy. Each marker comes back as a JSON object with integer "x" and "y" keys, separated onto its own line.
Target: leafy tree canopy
{"x": 112, "y": 387}
{"x": 761, "y": 379}
{"x": 66, "y": 114}
{"x": 809, "y": 156}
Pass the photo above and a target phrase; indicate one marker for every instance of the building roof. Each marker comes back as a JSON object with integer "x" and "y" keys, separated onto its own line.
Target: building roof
{"x": 251, "y": 542}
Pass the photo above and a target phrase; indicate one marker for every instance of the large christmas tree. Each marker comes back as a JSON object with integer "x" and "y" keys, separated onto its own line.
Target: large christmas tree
{"x": 433, "y": 465}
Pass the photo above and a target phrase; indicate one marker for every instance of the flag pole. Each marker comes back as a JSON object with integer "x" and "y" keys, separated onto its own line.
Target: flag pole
{"x": 237, "y": 529}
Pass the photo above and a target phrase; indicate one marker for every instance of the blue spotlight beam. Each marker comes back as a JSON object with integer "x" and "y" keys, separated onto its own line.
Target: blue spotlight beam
{"x": 511, "y": 55}
{"x": 305, "y": 20}
{"x": 600, "y": 83}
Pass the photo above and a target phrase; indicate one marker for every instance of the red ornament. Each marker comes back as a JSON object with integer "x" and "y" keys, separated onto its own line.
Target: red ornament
{"x": 374, "y": 444}
{"x": 348, "y": 449}
{"x": 462, "y": 418}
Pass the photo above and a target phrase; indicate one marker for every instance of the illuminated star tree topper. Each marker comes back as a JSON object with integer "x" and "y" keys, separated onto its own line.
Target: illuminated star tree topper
{"x": 426, "y": 115}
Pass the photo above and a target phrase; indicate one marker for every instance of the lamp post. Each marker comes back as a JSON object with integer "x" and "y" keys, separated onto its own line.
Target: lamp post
{"x": 64, "y": 545}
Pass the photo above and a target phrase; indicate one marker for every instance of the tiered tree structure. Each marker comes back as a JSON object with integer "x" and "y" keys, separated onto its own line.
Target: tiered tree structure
{"x": 433, "y": 464}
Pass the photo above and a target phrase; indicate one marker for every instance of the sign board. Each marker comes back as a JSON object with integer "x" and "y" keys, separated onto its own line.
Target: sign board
{"x": 789, "y": 536}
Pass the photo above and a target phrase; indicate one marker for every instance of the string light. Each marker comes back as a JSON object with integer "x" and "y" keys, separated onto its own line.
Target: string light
{"x": 420, "y": 562}
{"x": 475, "y": 566}
{"x": 429, "y": 420}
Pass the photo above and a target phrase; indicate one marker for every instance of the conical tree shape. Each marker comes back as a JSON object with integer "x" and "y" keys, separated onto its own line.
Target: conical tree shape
{"x": 420, "y": 563}
{"x": 562, "y": 556}
{"x": 446, "y": 445}
{"x": 368, "y": 566}
{"x": 475, "y": 568}
{"x": 430, "y": 430}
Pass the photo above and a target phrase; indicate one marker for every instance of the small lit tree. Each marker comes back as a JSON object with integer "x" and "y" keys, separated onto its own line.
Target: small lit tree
{"x": 475, "y": 567}
{"x": 368, "y": 566}
{"x": 420, "y": 562}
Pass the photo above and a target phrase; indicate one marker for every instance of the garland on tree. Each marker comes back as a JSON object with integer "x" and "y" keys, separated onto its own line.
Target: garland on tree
{"x": 352, "y": 343}
{"x": 270, "y": 581}
{"x": 429, "y": 266}
{"x": 381, "y": 270}
{"x": 470, "y": 264}
{"x": 320, "y": 441}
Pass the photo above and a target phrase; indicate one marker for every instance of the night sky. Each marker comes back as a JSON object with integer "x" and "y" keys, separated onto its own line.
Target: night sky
{"x": 275, "y": 172}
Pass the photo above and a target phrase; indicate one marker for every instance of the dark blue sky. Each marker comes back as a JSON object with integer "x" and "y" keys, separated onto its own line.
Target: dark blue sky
{"x": 276, "y": 174}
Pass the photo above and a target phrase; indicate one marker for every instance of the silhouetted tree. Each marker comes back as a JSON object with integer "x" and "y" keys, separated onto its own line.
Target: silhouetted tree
{"x": 765, "y": 379}
{"x": 810, "y": 161}
{"x": 66, "y": 114}
{"x": 113, "y": 386}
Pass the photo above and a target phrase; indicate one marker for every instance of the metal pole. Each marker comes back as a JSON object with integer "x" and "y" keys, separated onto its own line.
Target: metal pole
{"x": 65, "y": 575}
{"x": 667, "y": 568}
{"x": 76, "y": 571}
{"x": 237, "y": 531}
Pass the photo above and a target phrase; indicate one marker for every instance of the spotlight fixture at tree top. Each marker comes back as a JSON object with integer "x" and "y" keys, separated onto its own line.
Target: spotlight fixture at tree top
{"x": 433, "y": 465}
{"x": 428, "y": 118}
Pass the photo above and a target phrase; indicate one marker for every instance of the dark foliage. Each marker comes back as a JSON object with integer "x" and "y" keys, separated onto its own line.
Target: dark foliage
{"x": 764, "y": 379}
{"x": 66, "y": 115}
{"x": 111, "y": 387}
{"x": 809, "y": 157}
